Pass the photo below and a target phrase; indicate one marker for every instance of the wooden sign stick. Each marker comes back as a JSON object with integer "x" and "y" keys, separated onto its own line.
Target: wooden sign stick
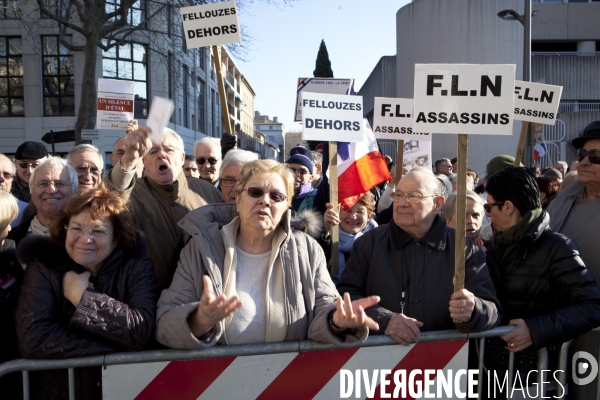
{"x": 521, "y": 145}
{"x": 399, "y": 161}
{"x": 461, "y": 210}
{"x": 333, "y": 199}
{"x": 216, "y": 50}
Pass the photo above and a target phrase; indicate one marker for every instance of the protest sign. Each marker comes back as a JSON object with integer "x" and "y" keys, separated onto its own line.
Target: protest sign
{"x": 417, "y": 153}
{"x": 536, "y": 102}
{"x": 392, "y": 119}
{"x": 158, "y": 117}
{"x": 332, "y": 117}
{"x": 115, "y": 103}
{"x": 320, "y": 85}
{"x": 90, "y": 134}
{"x": 211, "y": 24}
{"x": 464, "y": 98}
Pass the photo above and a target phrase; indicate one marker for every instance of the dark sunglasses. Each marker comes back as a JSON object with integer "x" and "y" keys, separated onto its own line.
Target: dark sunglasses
{"x": 202, "y": 160}
{"x": 24, "y": 164}
{"x": 593, "y": 155}
{"x": 257, "y": 193}
{"x": 488, "y": 206}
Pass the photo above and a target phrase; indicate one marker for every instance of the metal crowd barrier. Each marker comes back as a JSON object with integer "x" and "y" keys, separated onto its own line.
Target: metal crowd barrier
{"x": 26, "y": 365}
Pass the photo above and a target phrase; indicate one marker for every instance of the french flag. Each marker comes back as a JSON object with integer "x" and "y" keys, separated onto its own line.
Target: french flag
{"x": 360, "y": 167}
{"x": 540, "y": 151}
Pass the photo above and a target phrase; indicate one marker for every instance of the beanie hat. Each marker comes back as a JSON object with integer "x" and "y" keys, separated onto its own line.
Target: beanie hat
{"x": 31, "y": 150}
{"x": 499, "y": 162}
{"x": 301, "y": 159}
{"x": 552, "y": 172}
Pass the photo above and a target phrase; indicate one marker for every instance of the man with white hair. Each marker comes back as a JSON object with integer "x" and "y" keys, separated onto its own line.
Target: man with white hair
{"x": 208, "y": 158}
{"x": 8, "y": 173}
{"x": 562, "y": 167}
{"x": 161, "y": 198}
{"x": 88, "y": 162}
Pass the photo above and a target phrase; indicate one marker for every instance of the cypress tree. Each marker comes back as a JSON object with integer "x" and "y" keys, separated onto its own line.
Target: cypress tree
{"x": 323, "y": 65}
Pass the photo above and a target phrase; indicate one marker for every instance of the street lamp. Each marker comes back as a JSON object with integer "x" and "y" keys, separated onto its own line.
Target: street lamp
{"x": 525, "y": 20}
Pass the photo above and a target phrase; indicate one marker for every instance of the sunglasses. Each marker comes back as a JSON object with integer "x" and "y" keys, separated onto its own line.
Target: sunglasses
{"x": 488, "y": 206}
{"x": 202, "y": 160}
{"x": 593, "y": 155}
{"x": 257, "y": 193}
{"x": 25, "y": 165}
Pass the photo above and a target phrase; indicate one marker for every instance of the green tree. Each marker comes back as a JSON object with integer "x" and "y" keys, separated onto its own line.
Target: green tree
{"x": 323, "y": 65}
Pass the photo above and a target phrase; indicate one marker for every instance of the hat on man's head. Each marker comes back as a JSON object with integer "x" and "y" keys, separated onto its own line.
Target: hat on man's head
{"x": 301, "y": 159}
{"x": 499, "y": 162}
{"x": 552, "y": 172}
{"x": 31, "y": 150}
{"x": 301, "y": 150}
{"x": 592, "y": 131}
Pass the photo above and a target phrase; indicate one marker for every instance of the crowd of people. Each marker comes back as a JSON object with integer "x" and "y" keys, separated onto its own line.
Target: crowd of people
{"x": 221, "y": 248}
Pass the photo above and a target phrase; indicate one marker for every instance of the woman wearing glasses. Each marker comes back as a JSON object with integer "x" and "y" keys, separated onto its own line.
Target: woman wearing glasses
{"x": 353, "y": 223}
{"x": 88, "y": 290}
{"x": 545, "y": 289}
{"x": 248, "y": 276}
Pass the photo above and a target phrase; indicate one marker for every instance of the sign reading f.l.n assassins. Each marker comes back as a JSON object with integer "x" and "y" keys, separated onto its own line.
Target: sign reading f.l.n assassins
{"x": 536, "y": 102}
{"x": 464, "y": 98}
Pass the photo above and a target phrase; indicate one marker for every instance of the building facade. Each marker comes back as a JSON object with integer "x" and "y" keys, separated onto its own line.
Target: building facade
{"x": 274, "y": 132}
{"x": 43, "y": 79}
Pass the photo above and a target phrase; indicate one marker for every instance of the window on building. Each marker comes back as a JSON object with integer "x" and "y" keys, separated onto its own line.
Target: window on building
{"x": 212, "y": 68}
{"x": 129, "y": 62}
{"x": 57, "y": 74}
{"x": 10, "y": 9}
{"x": 136, "y": 14}
{"x": 201, "y": 105}
{"x": 202, "y": 58}
{"x": 11, "y": 77}
{"x": 186, "y": 73}
{"x": 57, "y": 7}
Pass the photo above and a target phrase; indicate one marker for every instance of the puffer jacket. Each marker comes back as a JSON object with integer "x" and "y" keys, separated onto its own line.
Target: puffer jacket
{"x": 309, "y": 291}
{"x": 546, "y": 283}
{"x": 118, "y": 314}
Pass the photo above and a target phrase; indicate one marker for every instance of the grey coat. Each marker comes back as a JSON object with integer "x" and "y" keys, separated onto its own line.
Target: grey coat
{"x": 387, "y": 261}
{"x": 310, "y": 293}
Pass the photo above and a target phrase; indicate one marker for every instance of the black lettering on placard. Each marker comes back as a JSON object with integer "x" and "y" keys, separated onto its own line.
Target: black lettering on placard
{"x": 398, "y": 114}
{"x": 453, "y": 118}
{"x": 527, "y": 95}
{"x": 356, "y": 126}
{"x": 431, "y": 117}
{"x": 225, "y": 29}
{"x": 495, "y": 88}
{"x": 534, "y": 113}
{"x": 337, "y": 125}
{"x": 191, "y": 34}
{"x": 546, "y": 96}
{"x": 474, "y": 118}
{"x": 504, "y": 119}
{"x": 347, "y": 126}
{"x": 233, "y": 28}
{"x": 421, "y": 117}
{"x": 455, "y": 91}
{"x": 232, "y": 10}
{"x": 442, "y": 118}
{"x": 431, "y": 83}
{"x": 327, "y": 124}
{"x": 385, "y": 108}
{"x": 309, "y": 123}
{"x": 358, "y": 108}
{"x": 319, "y": 124}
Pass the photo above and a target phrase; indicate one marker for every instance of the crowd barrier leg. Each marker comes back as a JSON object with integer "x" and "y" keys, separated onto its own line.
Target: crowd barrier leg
{"x": 481, "y": 351}
{"x": 71, "y": 384}
{"x": 511, "y": 365}
{"x": 25, "y": 385}
{"x": 562, "y": 366}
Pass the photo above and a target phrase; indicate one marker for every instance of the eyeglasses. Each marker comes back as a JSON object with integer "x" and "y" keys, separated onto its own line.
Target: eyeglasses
{"x": 45, "y": 184}
{"x": 202, "y": 160}
{"x": 82, "y": 170}
{"x": 299, "y": 171}
{"x": 92, "y": 233}
{"x": 257, "y": 193}
{"x": 8, "y": 175}
{"x": 362, "y": 212}
{"x": 413, "y": 197}
{"x": 488, "y": 206}
{"x": 24, "y": 164}
{"x": 593, "y": 155}
{"x": 228, "y": 182}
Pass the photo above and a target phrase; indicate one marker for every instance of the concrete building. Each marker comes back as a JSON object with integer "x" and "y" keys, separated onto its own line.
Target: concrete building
{"x": 273, "y": 130}
{"x": 293, "y": 139}
{"x": 41, "y": 88}
{"x": 565, "y": 47}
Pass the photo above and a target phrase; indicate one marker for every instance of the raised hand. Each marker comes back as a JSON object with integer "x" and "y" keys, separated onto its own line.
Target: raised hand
{"x": 331, "y": 217}
{"x": 137, "y": 145}
{"x": 351, "y": 314}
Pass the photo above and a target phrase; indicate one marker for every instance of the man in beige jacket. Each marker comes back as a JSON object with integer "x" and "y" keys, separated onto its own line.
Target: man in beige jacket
{"x": 161, "y": 198}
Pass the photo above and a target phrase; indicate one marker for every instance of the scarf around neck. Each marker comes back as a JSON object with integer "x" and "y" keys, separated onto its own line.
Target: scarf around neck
{"x": 346, "y": 242}
{"x": 506, "y": 242}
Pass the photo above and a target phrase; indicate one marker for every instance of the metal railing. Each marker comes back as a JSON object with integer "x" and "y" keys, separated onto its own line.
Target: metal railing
{"x": 578, "y": 107}
{"x": 26, "y": 365}
{"x": 565, "y": 53}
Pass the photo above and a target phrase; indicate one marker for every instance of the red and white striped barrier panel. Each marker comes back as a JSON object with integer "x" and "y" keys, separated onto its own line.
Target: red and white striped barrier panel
{"x": 306, "y": 375}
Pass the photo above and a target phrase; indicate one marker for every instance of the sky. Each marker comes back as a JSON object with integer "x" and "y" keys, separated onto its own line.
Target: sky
{"x": 286, "y": 43}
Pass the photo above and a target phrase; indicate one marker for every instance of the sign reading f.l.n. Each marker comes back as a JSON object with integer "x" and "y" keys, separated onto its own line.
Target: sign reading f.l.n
{"x": 536, "y": 102}
{"x": 464, "y": 98}
{"x": 211, "y": 24}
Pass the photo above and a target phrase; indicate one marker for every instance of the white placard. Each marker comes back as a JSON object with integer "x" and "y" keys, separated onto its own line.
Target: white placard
{"x": 211, "y": 24}
{"x": 320, "y": 85}
{"x": 417, "y": 153}
{"x": 158, "y": 117}
{"x": 474, "y": 99}
{"x": 115, "y": 103}
{"x": 332, "y": 117}
{"x": 536, "y": 102}
{"x": 90, "y": 134}
{"x": 393, "y": 119}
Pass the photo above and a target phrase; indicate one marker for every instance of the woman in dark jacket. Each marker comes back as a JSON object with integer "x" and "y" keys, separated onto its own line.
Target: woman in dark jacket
{"x": 545, "y": 289}
{"x": 88, "y": 290}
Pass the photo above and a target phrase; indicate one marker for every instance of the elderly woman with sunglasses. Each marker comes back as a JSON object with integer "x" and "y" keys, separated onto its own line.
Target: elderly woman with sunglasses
{"x": 544, "y": 287}
{"x": 248, "y": 276}
{"x": 88, "y": 290}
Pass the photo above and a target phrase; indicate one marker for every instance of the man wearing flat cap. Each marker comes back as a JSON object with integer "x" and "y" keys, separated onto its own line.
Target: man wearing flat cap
{"x": 28, "y": 156}
{"x": 575, "y": 211}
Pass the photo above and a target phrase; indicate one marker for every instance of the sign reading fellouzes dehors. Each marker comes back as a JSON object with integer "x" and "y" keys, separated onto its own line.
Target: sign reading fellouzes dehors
{"x": 392, "y": 119}
{"x": 536, "y": 102}
{"x": 211, "y": 24}
{"x": 474, "y": 99}
{"x": 332, "y": 117}
{"x": 320, "y": 85}
{"x": 115, "y": 103}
